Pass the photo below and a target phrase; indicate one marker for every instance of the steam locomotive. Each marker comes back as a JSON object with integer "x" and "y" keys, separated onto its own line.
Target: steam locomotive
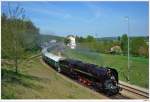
{"x": 104, "y": 79}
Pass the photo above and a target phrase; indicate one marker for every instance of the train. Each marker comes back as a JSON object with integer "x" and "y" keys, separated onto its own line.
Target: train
{"x": 103, "y": 79}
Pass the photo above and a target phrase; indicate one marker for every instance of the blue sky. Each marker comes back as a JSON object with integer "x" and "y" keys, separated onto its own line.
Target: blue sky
{"x": 104, "y": 19}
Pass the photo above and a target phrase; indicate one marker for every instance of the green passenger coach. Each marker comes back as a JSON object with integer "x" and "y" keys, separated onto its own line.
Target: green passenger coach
{"x": 52, "y": 60}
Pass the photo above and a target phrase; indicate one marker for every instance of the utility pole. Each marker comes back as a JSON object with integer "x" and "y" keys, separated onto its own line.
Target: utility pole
{"x": 128, "y": 24}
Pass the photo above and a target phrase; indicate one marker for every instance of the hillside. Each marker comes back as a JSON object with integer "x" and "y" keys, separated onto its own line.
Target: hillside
{"x": 37, "y": 80}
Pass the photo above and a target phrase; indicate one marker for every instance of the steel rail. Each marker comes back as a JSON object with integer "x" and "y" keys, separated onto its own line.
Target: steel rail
{"x": 135, "y": 90}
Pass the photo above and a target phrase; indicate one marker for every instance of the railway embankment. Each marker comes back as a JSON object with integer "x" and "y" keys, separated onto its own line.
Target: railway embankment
{"x": 38, "y": 81}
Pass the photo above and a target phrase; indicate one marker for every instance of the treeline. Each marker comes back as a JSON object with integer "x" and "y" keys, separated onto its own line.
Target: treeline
{"x": 138, "y": 45}
{"x": 46, "y": 38}
{"x": 18, "y": 35}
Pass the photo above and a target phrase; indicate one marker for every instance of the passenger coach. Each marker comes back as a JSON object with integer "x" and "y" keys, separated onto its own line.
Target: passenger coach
{"x": 52, "y": 60}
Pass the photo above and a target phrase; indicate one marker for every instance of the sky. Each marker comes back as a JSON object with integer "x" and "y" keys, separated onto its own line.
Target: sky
{"x": 99, "y": 19}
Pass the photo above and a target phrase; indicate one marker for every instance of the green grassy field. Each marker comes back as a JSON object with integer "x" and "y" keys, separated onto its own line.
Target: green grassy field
{"x": 139, "y": 69}
{"x": 38, "y": 81}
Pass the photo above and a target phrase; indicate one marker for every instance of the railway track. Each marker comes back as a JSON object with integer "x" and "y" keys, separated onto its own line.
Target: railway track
{"x": 134, "y": 91}
{"x": 117, "y": 96}
{"x": 128, "y": 92}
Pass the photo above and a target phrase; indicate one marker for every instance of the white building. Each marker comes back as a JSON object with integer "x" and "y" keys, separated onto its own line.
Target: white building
{"x": 115, "y": 49}
{"x": 72, "y": 43}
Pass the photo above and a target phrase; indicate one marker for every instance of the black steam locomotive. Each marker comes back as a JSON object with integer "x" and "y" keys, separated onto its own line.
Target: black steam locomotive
{"x": 103, "y": 79}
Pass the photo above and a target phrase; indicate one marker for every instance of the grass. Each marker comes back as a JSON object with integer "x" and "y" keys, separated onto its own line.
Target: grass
{"x": 38, "y": 81}
{"x": 139, "y": 69}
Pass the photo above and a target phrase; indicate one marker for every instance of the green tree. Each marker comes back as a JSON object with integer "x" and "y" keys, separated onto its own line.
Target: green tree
{"x": 66, "y": 41}
{"x": 31, "y": 36}
{"x": 12, "y": 35}
{"x": 79, "y": 39}
{"x": 16, "y": 32}
{"x": 124, "y": 43}
{"x": 139, "y": 47}
{"x": 118, "y": 38}
{"x": 90, "y": 38}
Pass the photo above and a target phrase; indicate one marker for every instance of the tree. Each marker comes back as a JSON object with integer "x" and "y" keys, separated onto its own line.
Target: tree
{"x": 12, "y": 35}
{"x": 66, "y": 41}
{"x": 118, "y": 38}
{"x": 79, "y": 39}
{"x": 139, "y": 47}
{"x": 31, "y": 36}
{"x": 124, "y": 43}
{"x": 90, "y": 38}
{"x": 18, "y": 35}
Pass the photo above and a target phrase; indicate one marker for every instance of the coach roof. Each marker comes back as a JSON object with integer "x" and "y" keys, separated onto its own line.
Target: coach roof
{"x": 53, "y": 57}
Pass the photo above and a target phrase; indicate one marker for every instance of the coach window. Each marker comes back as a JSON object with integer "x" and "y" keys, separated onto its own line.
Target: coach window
{"x": 56, "y": 65}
